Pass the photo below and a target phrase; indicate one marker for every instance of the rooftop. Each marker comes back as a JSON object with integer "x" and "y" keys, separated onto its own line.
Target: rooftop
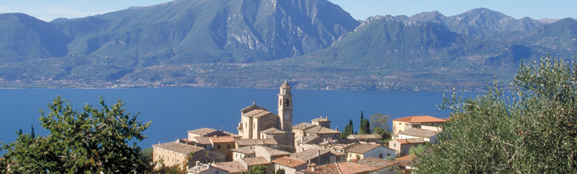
{"x": 206, "y": 132}
{"x": 303, "y": 126}
{"x": 321, "y": 119}
{"x": 257, "y": 113}
{"x": 364, "y": 136}
{"x": 230, "y": 167}
{"x": 255, "y": 161}
{"x": 406, "y": 160}
{"x": 309, "y": 154}
{"x": 410, "y": 141}
{"x": 247, "y": 150}
{"x": 418, "y": 132}
{"x": 363, "y": 148}
{"x": 222, "y": 139}
{"x": 272, "y": 130}
{"x": 317, "y": 129}
{"x": 377, "y": 162}
{"x": 273, "y": 152}
{"x": 252, "y": 107}
{"x": 289, "y": 162}
{"x": 202, "y": 140}
{"x": 252, "y": 142}
{"x": 420, "y": 119}
{"x": 342, "y": 168}
{"x": 178, "y": 147}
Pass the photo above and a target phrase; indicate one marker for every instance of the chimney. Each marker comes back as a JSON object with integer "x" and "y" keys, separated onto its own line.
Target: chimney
{"x": 337, "y": 128}
{"x": 312, "y": 166}
{"x": 327, "y": 117}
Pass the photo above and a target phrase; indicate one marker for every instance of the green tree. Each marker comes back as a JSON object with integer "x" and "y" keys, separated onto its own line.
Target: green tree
{"x": 365, "y": 126}
{"x": 348, "y": 130}
{"x": 92, "y": 141}
{"x": 531, "y": 130}
{"x": 380, "y": 126}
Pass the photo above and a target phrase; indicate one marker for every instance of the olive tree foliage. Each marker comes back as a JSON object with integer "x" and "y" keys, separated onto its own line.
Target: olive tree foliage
{"x": 91, "y": 141}
{"x": 531, "y": 130}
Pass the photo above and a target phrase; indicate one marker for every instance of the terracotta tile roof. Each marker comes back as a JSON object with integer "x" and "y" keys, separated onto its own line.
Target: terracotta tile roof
{"x": 178, "y": 147}
{"x": 377, "y": 162}
{"x": 410, "y": 141}
{"x": 252, "y": 107}
{"x": 289, "y": 162}
{"x": 420, "y": 119}
{"x": 423, "y": 133}
{"x": 231, "y": 167}
{"x": 364, "y": 136}
{"x": 257, "y": 113}
{"x": 321, "y": 130}
{"x": 303, "y": 126}
{"x": 342, "y": 168}
{"x": 406, "y": 160}
{"x": 247, "y": 150}
{"x": 202, "y": 140}
{"x": 272, "y": 130}
{"x": 363, "y": 148}
{"x": 252, "y": 142}
{"x": 309, "y": 154}
{"x": 255, "y": 161}
{"x": 222, "y": 139}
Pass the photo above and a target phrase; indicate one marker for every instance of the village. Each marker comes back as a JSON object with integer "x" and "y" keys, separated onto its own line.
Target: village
{"x": 270, "y": 140}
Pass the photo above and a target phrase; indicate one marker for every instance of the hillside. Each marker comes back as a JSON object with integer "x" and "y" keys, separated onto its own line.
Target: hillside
{"x": 255, "y": 44}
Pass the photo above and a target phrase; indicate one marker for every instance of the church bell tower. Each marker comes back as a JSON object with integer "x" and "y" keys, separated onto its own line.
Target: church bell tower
{"x": 285, "y": 107}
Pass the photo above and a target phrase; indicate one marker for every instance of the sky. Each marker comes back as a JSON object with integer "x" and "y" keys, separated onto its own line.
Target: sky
{"x": 360, "y": 9}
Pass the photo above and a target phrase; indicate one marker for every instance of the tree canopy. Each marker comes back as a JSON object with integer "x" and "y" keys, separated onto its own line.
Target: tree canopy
{"x": 532, "y": 129}
{"x": 91, "y": 141}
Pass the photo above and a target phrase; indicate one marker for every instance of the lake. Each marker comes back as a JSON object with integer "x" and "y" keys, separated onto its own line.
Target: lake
{"x": 174, "y": 111}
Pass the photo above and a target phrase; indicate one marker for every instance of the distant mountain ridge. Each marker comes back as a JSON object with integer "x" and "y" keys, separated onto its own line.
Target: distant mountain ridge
{"x": 247, "y": 43}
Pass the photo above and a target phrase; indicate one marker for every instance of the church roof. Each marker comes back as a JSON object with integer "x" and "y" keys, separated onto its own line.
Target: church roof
{"x": 252, "y": 107}
{"x": 272, "y": 130}
{"x": 257, "y": 113}
{"x": 285, "y": 85}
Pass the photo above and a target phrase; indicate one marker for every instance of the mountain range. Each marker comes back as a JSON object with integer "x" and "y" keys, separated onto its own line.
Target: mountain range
{"x": 257, "y": 43}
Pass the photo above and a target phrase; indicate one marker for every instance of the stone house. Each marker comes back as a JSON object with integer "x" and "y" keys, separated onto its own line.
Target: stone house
{"x": 402, "y": 124}
{"x": 324, "y": 122}
{"x": 243, "y": 152}
{"x": 361, "y": 151}
{"x": 175, "y": 153}
{"x": 223, "y": 145}
{"x": 289, "y": 165}
{"x": 249, "y": 163}
{"x": 208, "y": 132}
{"x": 402, "y": 146}
{"x": 319, "y": 156}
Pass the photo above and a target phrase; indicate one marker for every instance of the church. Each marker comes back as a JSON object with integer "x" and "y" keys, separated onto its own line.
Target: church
{"x": 259, "y": 123}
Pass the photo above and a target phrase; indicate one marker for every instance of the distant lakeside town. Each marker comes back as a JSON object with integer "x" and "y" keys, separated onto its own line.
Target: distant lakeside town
{"x": 272, "y": 142}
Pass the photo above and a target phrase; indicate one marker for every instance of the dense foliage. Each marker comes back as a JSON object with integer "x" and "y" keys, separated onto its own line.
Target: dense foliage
{"x": 91, "y": 141}
{"x": 534, "y": 130}
{"x": 348, "y": 130}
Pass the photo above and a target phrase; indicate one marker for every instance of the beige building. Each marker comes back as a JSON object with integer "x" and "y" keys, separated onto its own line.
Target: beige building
{"x": 361, "y": 151}
{"x": 402, "y": 124}
{"x": 402, "y": 146}
{"x": 175, "y": 153}
{"x": 258, "y": 123}
{"x": 289, "y": 165}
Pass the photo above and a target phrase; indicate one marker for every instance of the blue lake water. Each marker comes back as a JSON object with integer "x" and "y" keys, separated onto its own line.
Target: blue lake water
{"x": 174, "y": 111}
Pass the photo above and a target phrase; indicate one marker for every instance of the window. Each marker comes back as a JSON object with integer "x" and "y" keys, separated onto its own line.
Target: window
{"x": 388, "y": 154}
{"x": 338, "y": 158}
{"x": 246, "y": 124}
{"x": 394, "y": 144}
{"x": 380, "y": 155}
{"x": 228, "y": 146}
{"x": 218, "y": 146}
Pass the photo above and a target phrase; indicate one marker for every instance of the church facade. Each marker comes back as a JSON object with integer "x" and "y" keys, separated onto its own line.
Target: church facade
{"x": 259, "y": 123}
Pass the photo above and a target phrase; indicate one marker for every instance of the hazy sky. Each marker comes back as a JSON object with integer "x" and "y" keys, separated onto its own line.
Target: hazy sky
{"x": 360, "y": 9}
